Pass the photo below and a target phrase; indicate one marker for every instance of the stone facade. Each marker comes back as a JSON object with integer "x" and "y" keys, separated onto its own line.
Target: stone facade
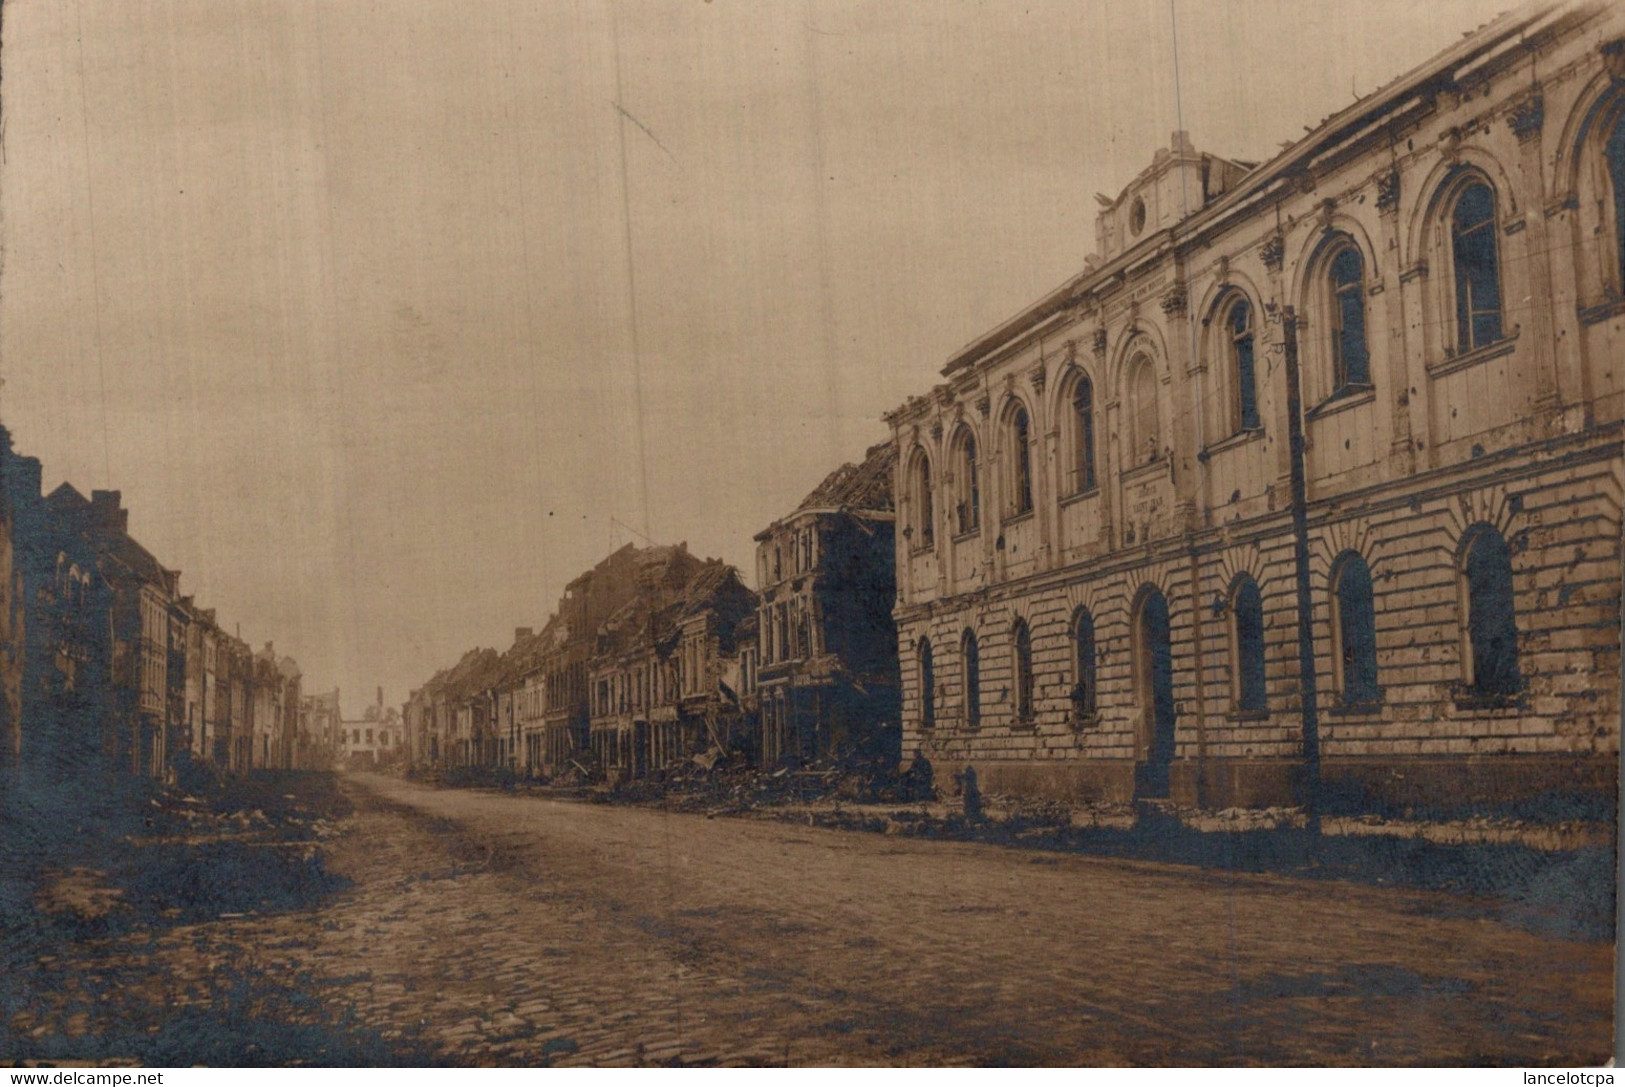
{"x": 1376, "y": 384}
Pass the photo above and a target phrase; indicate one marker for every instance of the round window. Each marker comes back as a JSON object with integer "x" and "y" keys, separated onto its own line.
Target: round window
{"x": 1136, "y": 217}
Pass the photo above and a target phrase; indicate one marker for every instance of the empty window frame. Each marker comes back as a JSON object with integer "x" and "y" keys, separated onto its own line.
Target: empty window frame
{"x": 1476, "y": 265}
{"x": 1083, "y": 665}
{"x": 928, "y": 685}
{"x": 1247, "y": 647}
{"x": 1142, "y": 387}
{"x": 1022, "y": 666}
{"x": 1614, "y": 154}
{"x": 1345, "y": 285}
{"x": 971, "y": 661}
{"x": 1019, "y": 439}
{"x": 1239, "y": 340}
{"x": 1354, "y": 626}
{"x": 1491, "y": 627}
{"x": 924, "y": 525}
{"x": 1083, "y": 435}
{"x": 967, "y": 483}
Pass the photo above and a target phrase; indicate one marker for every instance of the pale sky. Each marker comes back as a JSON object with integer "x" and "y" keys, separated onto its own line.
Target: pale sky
{"x": 386, "y": 317}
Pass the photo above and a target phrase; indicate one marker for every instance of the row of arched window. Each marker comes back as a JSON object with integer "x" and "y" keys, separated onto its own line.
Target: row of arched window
{"x": 72, "y": 584}
{"x": 1489, "y": 632}
{"x": 1336, "y": 345}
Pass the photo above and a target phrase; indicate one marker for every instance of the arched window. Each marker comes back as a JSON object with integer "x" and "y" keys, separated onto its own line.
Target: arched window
{"x": 1083, "y": 435}
{"x": 968, "y": 493}
{"x": 972, "y": 662}
{"x": 1351, "y": 360}
{"x": 1238, "y": 340}
{"x": 1022, "y": 666}
{"x": 1142, "y": 399}
{"x": 1155, "y": 738}
{"x": 1476, "y": 265}
{"x": 1247, "y": 646}
{"x": 1354, "y": 625}
{"x": 1021, "y": 464}
{"x": 928, "y": 686}
{"x": 1492, "y": 629}
{"x": 924, "y": 514}
{"x": 1614, "y": 152}
{"x": 1083, "y": 665}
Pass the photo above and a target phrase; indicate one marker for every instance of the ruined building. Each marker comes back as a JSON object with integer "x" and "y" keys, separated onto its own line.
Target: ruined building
{"x": 659, "y": 681}
{"x": 826, "y": 673}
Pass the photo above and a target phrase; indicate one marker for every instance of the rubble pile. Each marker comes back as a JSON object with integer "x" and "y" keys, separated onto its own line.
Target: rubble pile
{"x": 247, "y": 846}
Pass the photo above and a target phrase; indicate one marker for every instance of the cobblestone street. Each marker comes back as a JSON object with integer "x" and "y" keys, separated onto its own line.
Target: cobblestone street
{"x": 491, "y": 929}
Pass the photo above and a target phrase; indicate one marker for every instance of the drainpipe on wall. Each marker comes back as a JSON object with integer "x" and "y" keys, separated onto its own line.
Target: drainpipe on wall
{"x": 1300, "y": 548}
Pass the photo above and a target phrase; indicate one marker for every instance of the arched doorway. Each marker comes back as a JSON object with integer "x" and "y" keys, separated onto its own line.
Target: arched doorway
{"x": 1154, "y": 676}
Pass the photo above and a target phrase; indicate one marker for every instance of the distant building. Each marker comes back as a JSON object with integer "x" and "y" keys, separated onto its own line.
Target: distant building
{"x": 234, "y": 742}
{"x": 319, "y": 724}
{"x": 378, "y": 738}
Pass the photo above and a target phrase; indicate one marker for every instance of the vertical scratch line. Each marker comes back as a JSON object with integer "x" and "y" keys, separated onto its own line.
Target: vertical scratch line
{"x": 637, "y": 380}
{"x": 95, "y": 261}
{"x": 530, "y": 287}
{"x": 631, "y": 272}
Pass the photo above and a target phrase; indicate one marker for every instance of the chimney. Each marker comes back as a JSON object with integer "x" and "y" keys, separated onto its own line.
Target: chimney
{"x": 521, "y": 633}
{"x": 106, "y": 512}
{"x": 28, "y": 476}
{"x": 380, "y": 696}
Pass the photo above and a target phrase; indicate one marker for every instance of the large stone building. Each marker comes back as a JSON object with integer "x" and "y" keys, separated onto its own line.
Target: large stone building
{"x": 826, "y": 674}
{"x": 1312, "y": 476}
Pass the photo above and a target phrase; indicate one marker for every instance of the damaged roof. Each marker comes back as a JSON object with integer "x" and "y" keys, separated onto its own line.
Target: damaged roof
{"x": 865, "y": 486}
{"x": 654, "y": 618}
{"x": 852, "y": 488}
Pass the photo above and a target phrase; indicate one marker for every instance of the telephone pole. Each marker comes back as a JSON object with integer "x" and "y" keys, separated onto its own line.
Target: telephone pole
{"x": 1300, "y": 548}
